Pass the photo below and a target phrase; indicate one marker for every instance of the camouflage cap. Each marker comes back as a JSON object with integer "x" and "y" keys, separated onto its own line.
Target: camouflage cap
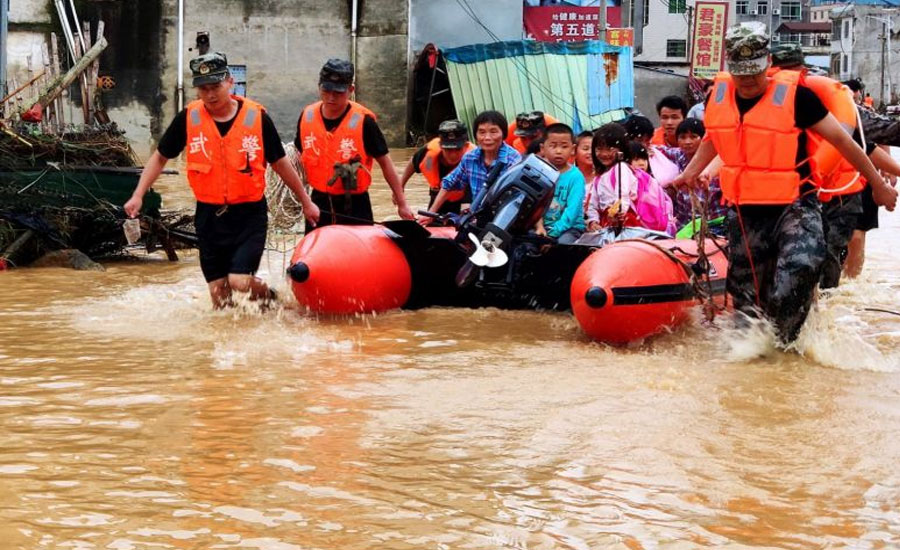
{"x": 209, "y": 68}
{"x": 787, "y": 55}
{"x": 453, "y": 134}
{"x": 529, "y": 124}
{"x": 747, "y": 48}
{"x": 336, "y": 75}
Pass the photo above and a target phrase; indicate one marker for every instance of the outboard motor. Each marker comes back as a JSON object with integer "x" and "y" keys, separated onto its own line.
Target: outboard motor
{"x": 511, "y": 205}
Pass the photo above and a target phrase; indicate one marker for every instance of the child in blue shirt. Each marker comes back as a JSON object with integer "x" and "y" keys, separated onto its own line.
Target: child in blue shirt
{"x": 564, "y": 218}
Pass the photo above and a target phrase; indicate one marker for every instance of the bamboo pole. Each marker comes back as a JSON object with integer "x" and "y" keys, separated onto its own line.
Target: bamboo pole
{"x": 85, "y": 111}
{"x": 45, "y": 59}
{"x": 56, "y": 87}
{"x": 88, "y": 85}
{"x": 59, "y": 102}
{"x": 18, "y": 90}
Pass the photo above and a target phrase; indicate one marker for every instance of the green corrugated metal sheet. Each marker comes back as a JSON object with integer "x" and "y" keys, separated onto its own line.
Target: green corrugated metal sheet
{"x": 519, "y": 76}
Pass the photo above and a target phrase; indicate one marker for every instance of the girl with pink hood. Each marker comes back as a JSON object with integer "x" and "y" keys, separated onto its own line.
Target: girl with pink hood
{"x": 622, "y": 195}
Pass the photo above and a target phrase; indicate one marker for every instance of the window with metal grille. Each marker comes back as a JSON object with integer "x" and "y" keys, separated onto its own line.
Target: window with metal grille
{"x": 790, "y": 11}
{"x": 676, "y": 48}
{"x": 677, "y": 6}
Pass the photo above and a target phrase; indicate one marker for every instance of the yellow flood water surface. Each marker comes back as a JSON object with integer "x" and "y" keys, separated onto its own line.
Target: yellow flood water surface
{"x": 135, "y": 417}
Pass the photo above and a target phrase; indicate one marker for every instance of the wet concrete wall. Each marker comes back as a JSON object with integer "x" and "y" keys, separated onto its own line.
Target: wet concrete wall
{"x": 652, "y": 85}
{"x": 282, "y": 43}
{"x": 132, "y": 57}
{"x": 382, "y": 64}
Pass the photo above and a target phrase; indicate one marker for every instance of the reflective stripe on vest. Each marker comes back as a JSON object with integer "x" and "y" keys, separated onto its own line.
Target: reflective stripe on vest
{"x": 758, "y": 150}
{"x": 322, "y": 149}
{"x": 228, "y": 169}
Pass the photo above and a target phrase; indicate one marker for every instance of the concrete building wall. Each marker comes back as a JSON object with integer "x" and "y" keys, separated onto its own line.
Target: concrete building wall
{"x": 661, "y": 28}
{"x": 770, "y": 12}
{"x": 651, "y": 85}
{"x": 24, "y": 11}
{"x": 26, "y": 36}
{"x": 283, "y": 44}
{"x": 446, "y": 24}
{"x": 382, "y": 67}
{"x": 858, "y": 53}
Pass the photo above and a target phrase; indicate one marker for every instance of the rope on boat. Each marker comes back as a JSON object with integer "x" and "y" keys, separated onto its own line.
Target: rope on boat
{"x": 285, "y": 210}
{"x": 700, "y": 270}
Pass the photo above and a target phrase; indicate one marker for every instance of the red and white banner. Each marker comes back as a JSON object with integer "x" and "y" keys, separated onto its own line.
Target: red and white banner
{"x": 567, "y": 24}
{"x": 708, "y": 51}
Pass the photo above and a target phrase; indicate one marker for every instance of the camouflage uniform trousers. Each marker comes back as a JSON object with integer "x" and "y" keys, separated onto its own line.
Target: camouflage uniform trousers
{"x": 786, "y": 247}
{"x": 839, "y": 219}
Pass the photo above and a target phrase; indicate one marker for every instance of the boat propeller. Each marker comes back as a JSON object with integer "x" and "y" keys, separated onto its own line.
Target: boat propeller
{"x": 486, "y": 254}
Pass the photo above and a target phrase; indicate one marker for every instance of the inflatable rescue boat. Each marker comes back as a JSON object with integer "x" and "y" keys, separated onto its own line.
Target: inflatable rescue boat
{"x": 621, "y": 286}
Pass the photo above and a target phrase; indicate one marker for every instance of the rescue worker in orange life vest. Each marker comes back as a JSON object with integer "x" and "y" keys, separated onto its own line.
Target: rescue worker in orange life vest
{"x": 339, "y": 141}
{"x": 672, "y": 111}
{"x": 529, "y": 131}
{"x": 229, "y": 142}
{"x": 843, "y": 207}
{"x": 757, "y": 125}
{"x": 437, "y": 159}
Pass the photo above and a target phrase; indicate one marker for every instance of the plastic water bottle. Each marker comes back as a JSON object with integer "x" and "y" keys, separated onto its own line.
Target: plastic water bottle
{"x": 132, "y": 229}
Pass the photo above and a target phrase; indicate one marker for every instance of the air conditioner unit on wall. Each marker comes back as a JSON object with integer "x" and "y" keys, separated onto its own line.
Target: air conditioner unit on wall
{"x": 753, "y": 12}
{"x": 776, "y": 11}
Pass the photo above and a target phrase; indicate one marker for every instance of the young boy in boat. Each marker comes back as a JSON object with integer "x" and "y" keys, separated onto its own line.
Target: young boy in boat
{"x": 690, "y": 133}
{"x": 585, "y": 162}
{"x": 490, "y": 129}
{"x": 230, "y": 140}
{"x": 564, "y": 218}
{"x": 623, "y": 196}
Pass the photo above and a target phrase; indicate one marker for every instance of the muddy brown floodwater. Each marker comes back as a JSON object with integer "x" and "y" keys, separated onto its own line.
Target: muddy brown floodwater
{"x": 135, "y": 417}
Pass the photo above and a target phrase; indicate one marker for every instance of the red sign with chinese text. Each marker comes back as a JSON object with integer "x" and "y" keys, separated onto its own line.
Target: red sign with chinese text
{"x": 567, "y": 24}
{"x": 620, "y": 37}
{"x": 708, "y": 51}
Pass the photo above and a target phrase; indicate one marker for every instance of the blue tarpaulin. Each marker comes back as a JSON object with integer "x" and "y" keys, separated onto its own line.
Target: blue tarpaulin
{"x": 584, "y": 84}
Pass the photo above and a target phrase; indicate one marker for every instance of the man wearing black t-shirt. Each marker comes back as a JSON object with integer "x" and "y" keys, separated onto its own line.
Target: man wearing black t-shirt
{"x": 757, "y": 126}
{"x": 230, "y": 140}
{"x": 338, "y": 140}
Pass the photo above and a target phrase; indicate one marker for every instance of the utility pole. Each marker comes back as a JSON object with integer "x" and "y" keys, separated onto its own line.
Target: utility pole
{"x": 4, "y": 23}
{"x": 602, "y": 33}
{"x": 884, "y": 39}
{"x": 690, "y": 34}
{"x": 638, "y": 22}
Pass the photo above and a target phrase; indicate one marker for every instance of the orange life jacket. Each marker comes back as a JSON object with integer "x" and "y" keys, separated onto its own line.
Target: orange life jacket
{"x": 430, "y": 167}
{"x": 831, "y": 172}
{"x": 229, "y": 169}
{"x": 659, "y": 137}
{"x": 758, "y": 151}
{"x": 519, "y": 146}
{"x": 511, "y": 136}
{"x": 869, "y": 101}
{"x": 323, "y": 149}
